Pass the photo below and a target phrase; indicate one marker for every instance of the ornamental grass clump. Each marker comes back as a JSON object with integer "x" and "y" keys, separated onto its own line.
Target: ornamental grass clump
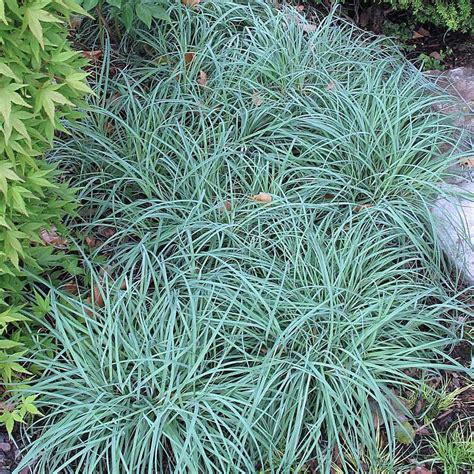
{"x": 260, "y": 192}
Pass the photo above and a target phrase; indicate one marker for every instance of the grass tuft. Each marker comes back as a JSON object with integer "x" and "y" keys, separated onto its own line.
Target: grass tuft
{"x": 237, "y": 335}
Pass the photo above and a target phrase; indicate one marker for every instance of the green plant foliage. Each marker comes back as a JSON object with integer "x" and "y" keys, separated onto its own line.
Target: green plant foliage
{"x": 457, "y": 15}
{"x": 272, "y": 271}
{"x": 127, "y": 11}
{"x": 40, "y": 82}
{"x": 454, "y": 450}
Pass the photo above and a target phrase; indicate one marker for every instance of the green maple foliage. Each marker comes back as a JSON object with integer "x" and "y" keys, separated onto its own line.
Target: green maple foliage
{"x": 41, "y": 81}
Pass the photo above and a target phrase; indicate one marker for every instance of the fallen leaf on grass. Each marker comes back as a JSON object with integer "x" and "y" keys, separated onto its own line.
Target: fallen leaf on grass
{"x": 419, "y": 406}
{"x": 90, "y": 241}
{"x": 191, "y": 3}
{"x": 188, "y": 57}
{"x": 92, "y": 55}
{"x": 202, "y": 78}
{"x": 98, "y": 298}
{"x": 364, "y": 19}
{"x": 309, "y": 27}
{"x": 107, "y": 232}
{"x": 71, "y": 288}
{"x": 423, "y": 431}
{"x": 436, "y": 55}
{"x": 420, "y": 470}
{"x": 263, "y": 198}
{"x": 227, "y": 206}
{"x": 51, "y": 237}
{"x": 361, "y": 207}
{"x": 468, "y": 162}
{"x": 417, "y": 35}
{"x": 256, "y": 99}
{"x": 95, "y": 300}
{"x": 109, "y": 127}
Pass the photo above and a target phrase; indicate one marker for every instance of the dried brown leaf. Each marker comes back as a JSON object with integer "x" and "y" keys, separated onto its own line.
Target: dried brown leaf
{"x": 90, "y": 241}
{"x": 417, "y": 35}
{"x": 51, "y": 237}
{"x": 88, "y": 311}
{"x": 361, "y": 207}
{"x": 424, "y": 32}
{"x": 420, "y": 470}
{"x": 364, "y": 18}
{"x": 202, "y": 78}
{"x": 191, "y": 3}
{"x": 468, "y": 162}
{"x": 423, "y": 431}
{"x": 71, "y": 288}
{"x": 92, "y": 55}
{"x": 256, "y": 99}
{"x": 419, "y": 406}
{"x": 97, "y": 296}
{"x": 263, "y": 198}
{"x": 109, "y": 127}
{"x": 436, "y": 55}
{"x": 107, "y": 232}
{"x": 188, "y": 57}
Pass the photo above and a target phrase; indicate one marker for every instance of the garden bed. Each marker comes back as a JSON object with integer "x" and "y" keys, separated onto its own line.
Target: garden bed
{"x": 259, "y": 284}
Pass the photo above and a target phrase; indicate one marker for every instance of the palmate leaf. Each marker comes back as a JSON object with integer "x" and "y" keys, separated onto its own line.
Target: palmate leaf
{"x": 31, "y": 34}
{"x": 9, "y": 96}
{"x": 77, "y": 81}
{"x": 7, "y": 71}
{"x": 46, "y": 100}
{"x": 34, "y": 15}
{"x": 6, "y": 173}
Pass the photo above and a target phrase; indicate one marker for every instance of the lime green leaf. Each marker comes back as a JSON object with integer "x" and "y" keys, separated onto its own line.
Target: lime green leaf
{"x": 46, "y": 100}
{"x": 6, "y": 173}
{"x": 4, "y": 223}
{"x": 7, "y": 71}
{"x": 19, "y": 126}
{"x": 18, "y": 203}
{"x": 30, "y": 407}
{"x": 76, "y": 81}
{"x": 8, "y": 421}
{"x": 8, "y": 96}
{"x": 34, "y": 15}
{"x": 6, "y": 344}
{"x": 2, "y": 12}
{"x": 64, "y": 56}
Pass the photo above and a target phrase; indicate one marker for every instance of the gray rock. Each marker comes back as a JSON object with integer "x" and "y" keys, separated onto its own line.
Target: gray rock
{"x": 454, "y": 217}
{"x": 459, "y": 83}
